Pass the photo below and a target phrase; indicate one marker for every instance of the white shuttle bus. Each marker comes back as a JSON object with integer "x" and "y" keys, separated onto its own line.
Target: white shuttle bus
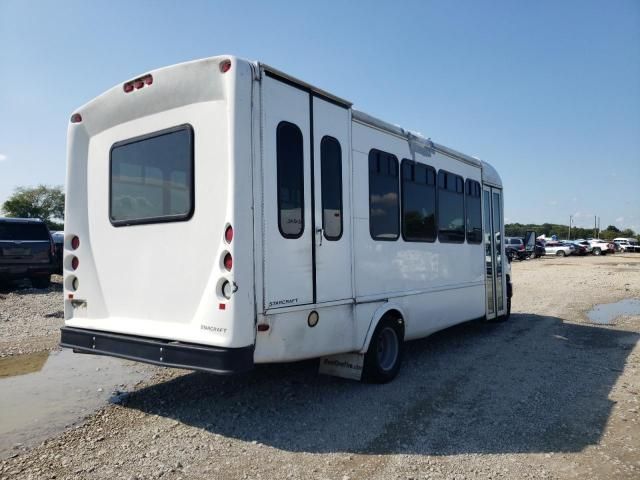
{"x": 221, "y": 213}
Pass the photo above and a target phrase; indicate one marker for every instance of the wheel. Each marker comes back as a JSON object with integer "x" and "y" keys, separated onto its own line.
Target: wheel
{"x": 41, "y": 282}
{"x": 383, "y": 358}
{"x": 597, "y": 251}
{"x": 560, "y": 253}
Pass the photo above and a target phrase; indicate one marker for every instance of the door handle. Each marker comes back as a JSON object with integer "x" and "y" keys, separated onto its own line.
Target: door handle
{"x": 320, "y": 231}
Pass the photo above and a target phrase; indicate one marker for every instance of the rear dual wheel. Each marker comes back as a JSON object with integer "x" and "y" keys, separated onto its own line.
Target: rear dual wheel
{"x": 383, "y": 358}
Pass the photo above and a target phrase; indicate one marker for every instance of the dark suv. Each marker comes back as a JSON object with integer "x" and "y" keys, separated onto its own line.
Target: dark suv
{"x": 26, "y": 251}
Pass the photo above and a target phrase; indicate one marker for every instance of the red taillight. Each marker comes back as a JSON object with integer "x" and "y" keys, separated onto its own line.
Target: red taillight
{"x": 522, "y": 247}
{"x": 225, "y": 66}
{"x": 137, "y": 83}
{"x": 263, "y": 327}
{"x": 228, "y": 262}
{"x": 76, "y": 118}
{"x": 228, "y": 234}
{"x": 75, "y": 242}
{"x": 74, "y": 263}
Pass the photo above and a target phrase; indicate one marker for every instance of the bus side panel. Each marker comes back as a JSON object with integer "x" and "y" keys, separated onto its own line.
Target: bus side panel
{"x": 289, "y": 337}
{"x": 412, "y": 271}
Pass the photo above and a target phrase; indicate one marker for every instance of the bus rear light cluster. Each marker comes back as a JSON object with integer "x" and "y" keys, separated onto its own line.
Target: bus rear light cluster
{"x": 226, "y": 289}
{"x": 74, "y": 263}
{"x": 75, "y": 242}
{"x": 228, "y": 262}
{"x": 138, "y": 83}
{"x": 228, "y": 234}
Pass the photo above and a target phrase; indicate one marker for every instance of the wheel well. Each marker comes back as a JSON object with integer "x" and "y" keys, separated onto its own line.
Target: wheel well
{"x": 393, "y": 314}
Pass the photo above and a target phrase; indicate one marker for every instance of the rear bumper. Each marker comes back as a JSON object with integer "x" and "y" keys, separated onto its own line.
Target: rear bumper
{"x": 190, "y": 356}
{"x": 15, "y": 271}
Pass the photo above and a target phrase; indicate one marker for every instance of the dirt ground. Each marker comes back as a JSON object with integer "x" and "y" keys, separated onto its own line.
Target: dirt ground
{"x": 547, "y": 394}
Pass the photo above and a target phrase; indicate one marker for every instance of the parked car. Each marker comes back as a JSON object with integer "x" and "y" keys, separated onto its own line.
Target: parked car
{"x": 571, "y": 246}
{"x": 580, "y": 248}
{"x": 26, "y": 251}
{"x": 627, "y": 244}
{"x": 58, "y": 242}
{"x": 556, "y": 248}
{"x": 600, "y": 247}
{"x": 585, "y": 244}
{"x": 538, "y": 250}
{"x": 517, "y": 248}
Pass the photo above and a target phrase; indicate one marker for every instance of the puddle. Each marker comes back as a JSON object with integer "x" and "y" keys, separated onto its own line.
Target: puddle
{"x": 22, "y": 364}
{"x": 606, "y": 313}
{"x": 42, "y": 393}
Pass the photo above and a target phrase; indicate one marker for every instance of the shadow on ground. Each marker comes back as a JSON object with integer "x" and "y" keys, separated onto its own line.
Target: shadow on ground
{"x": 24, "y": 287}
{"x": 533, "y": 384}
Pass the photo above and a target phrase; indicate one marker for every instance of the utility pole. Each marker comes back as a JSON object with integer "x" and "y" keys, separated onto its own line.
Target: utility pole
{"x": 570, "y": 217}
{"x": 595, "y": 226}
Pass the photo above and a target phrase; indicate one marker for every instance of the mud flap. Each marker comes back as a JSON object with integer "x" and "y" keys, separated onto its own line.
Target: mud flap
{"x": 345, "y": 365}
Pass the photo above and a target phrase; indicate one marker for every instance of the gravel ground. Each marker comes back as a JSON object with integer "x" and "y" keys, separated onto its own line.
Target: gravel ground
{"x": 30, "y": 318}
{"x": 545, "y": 395}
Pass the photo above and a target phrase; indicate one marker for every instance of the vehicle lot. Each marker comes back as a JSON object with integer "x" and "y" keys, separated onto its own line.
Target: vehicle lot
{"x": 547, "y": 394}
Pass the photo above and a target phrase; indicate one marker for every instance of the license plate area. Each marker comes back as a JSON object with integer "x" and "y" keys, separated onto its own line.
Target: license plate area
{"x": 16, "y": 252}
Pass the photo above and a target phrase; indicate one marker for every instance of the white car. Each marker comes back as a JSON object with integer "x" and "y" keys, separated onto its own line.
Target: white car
{"x": 627, "y": 244}
{"x": 557, "y": 248}
{"x": 600, "y": 247}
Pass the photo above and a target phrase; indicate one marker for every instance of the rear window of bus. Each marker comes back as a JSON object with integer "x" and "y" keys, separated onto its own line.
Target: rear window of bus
{"x": 151, "y": 178}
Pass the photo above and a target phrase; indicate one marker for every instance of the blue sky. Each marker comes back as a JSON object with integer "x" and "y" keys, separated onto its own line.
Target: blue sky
{"x": 546, "y": 91}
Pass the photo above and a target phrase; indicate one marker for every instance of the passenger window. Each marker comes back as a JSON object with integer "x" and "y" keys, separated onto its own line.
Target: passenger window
{"x": 474, "y": 212}
{"x": 384, "y": 207}
{"x": 331, "y": 179}
{"x": 418, "y": 202}
{"x": 451, "y": 224}
{"x": 290, "y": 177}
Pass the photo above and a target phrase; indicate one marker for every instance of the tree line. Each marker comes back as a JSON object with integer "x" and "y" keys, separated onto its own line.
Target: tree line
{"x": 47, "y": 203}
{"x": 562, "y": 231}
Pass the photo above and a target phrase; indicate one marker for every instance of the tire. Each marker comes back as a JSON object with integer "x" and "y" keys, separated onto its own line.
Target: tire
{"x": 41, "y": 282}
{"x": 384, "y": 356}
{"x": 597, "y": 251}
{"x": 561, "y": 253}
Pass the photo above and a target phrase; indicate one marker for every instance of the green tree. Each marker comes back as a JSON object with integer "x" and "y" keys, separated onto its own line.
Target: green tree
{"x": 44, "y": 202}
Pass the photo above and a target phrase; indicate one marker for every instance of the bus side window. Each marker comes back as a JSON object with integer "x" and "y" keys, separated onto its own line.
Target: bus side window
{"x": 473, "y": 211}
{"x": 418, "y": 202}
{"x": 331, "y": 179}
{"x": 451, "y": 224}
{"x": 290, "y": 177}
{"x": 384, "y": 205}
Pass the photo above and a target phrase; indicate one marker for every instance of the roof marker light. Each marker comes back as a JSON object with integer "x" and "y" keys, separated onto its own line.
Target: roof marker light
{"x": 225, "y": 66}
{"x": 76, "y": 118}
